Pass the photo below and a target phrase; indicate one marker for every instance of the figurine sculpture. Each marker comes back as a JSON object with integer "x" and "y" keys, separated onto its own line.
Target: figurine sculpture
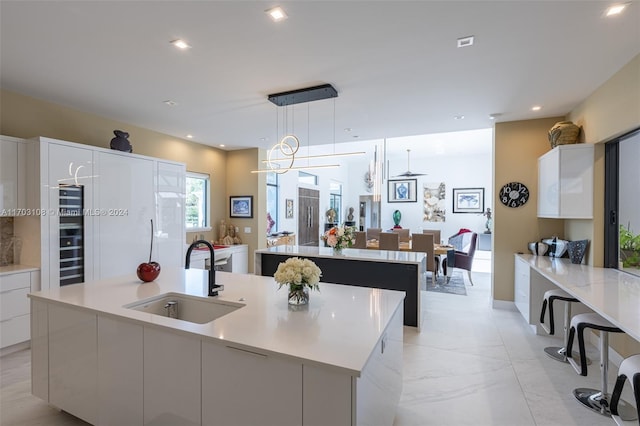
{"x": 120, "y": 142}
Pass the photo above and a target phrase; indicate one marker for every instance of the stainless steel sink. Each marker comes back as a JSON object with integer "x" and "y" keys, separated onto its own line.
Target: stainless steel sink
{"x": 199, "y": 310}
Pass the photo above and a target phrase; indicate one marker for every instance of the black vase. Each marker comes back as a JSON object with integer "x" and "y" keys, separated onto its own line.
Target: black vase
{"x": 120, "y": 142}
{"x": 576, "y": 250}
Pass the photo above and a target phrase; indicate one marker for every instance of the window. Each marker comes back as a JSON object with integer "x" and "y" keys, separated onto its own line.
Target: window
{"x": 272, "y": 203}
{"x": 335, "y": 199}
{"x": 622, "y": 228}
{"x": 197, "y": 202}
{"x": 307, "y": 178}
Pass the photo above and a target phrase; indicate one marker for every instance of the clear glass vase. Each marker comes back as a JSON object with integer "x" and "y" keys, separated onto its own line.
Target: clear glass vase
{"x": 298, "y": 295}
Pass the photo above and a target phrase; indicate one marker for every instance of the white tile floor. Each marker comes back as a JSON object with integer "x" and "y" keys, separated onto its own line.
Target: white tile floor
{"x": 471, "y": 365}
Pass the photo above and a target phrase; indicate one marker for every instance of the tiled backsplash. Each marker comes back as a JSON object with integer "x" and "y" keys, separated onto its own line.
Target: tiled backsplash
{"x": 6, "y": 241}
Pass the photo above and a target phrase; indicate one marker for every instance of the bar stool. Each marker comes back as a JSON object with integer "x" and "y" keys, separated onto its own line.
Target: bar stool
{"x": 629, "y": 369}
{"x": 555, "y": 352}
{"x": 594, "y": 399}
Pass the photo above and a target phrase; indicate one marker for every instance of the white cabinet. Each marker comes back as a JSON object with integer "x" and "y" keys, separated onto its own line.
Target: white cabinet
{"x": 73, "y": 361}
{"x": 12, "y": 175}
{"x": 124, "y": 191}
{"x": 172, "y": 379}
{"x": 233, "y": 376}
{"x": 565, "y": 182}
{"x": 14, "y": 306}
{"x": 120, "y": 385}
{"x": 121, "y": 193}
{"x": 522, "y": 288}
{"x": 170, "y": 229}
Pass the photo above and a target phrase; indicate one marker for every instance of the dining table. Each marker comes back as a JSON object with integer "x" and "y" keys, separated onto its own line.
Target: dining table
{"x": 438, "y": 250}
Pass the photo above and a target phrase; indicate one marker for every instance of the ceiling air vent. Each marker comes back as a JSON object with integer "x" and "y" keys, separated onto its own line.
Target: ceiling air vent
{"x": 465, "y": 41}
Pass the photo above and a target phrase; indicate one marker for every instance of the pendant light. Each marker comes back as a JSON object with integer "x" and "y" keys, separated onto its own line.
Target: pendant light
{"x": 409, "y": 173}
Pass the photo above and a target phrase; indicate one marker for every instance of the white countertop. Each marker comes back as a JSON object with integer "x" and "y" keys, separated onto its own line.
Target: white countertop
{"x": 340, "y": 328}
{"x": 611, "y": 293}
{"x": 15, "y": 269}
{"x": 349, "y": 254}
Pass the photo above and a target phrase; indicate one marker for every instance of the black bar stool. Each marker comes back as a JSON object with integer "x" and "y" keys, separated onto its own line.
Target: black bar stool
{"x": 629, "y": 369}
{"x": 597, "y": 400}
{"x": 555, "y": 352}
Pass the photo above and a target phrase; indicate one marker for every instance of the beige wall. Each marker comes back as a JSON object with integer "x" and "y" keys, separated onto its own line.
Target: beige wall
{"x": 517, "y": 146}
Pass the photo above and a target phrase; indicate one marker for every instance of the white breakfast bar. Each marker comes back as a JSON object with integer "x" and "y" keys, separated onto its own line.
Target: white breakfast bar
{"x": 338, "y": 361}
{"x": 391, "y": 270}
{"x": 613, "y": 294}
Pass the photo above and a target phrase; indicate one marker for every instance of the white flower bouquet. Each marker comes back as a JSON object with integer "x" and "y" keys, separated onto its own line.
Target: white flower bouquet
{"x": 300, "y": 275}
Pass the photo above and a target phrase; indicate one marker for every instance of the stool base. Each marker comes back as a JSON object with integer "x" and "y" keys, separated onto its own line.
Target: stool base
{"x": 558, "y": 354}
{"x": 594, "y": 400}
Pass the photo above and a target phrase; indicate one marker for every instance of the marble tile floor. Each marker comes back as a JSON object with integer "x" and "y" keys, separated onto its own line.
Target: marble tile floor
{"x": 471, "y": 365}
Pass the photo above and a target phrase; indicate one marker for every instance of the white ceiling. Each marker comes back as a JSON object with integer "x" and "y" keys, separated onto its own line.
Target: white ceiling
{"x": 394, "y": 64}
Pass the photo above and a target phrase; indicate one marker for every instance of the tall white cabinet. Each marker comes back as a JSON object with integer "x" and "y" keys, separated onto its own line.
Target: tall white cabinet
{"x": 99, "y": 204}
{"x": 12, "y": 175}
{"x": 565, "y": 182}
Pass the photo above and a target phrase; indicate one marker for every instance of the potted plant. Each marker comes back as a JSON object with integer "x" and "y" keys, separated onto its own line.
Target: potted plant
{"x": 629, "y": 247}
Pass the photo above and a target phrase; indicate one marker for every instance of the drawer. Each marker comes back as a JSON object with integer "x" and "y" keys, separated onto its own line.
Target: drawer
{"x": 13, "y": 303}
{"x": 15, "y": 330}
{"x": 13, "y": 281}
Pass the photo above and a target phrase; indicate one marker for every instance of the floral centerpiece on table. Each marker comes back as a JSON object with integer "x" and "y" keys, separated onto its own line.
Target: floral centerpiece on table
{"x": 300, "y": 275}
{"x": 339, "y": 237}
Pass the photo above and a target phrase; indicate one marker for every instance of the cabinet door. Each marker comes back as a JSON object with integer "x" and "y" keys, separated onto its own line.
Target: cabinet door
{"x": 172, "y": 379}
{"x": 8, "y": 175}
{"x": 119, "y": 372}
{"x": 170, "y": 198}
{"x": 548, "y": 184}
{"x": 73, "y": 361}
{"x": 521, "y": 288}
{"x": 124, "y": 198}
{"x": 232, "y": 376}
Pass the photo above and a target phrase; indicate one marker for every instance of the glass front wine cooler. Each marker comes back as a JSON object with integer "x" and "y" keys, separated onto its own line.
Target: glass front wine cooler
{"x": 71, "y": 204}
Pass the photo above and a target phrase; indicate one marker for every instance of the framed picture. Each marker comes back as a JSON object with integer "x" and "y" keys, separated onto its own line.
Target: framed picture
{"x": 468, "y": 200}
{"x": 402, "y": 191}
{"x": 241, "y": 206}
{"x": 289, "y": 209}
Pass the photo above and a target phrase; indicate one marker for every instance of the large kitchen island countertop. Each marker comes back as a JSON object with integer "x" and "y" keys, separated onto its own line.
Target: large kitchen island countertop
{"x": 338, "y": 329}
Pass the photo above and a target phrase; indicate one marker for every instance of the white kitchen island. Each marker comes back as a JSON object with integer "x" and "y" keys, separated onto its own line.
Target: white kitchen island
{"x": 336, "y": 362}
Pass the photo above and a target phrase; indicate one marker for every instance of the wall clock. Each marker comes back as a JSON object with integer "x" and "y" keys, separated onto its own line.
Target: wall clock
{"x": 514, "y": 194}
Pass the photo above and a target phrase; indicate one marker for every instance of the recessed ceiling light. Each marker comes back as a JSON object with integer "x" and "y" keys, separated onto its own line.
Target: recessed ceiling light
{"x": 459, "y": 117}
{"x": 494, "y": 116}
{"x": 190, "y": 136}
{"x": 181, "y": 44}
{"x": 465, "y": 41}
{"x": 277, "y": 14}
{"x": 221, "y": 145}
{"x": 536, "y": 108}
{"x": 347, "y": 129}
{"x": 170, "y": 103}
{"x": 616, "y": 9}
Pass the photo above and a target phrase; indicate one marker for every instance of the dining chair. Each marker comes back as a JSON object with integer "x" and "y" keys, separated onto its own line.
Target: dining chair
{"x": 464, "y": 260}
{"x": 373, "y": 233}
{"x": 403, "y": 233}
{"x": 361, "y": 240}
{"x": 436, "y": 234}
{"x": 424, "y": 243}
{"x": 389, "y": 241}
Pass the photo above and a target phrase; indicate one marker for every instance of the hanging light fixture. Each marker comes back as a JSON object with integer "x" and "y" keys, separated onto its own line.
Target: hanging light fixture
{"x": 282, "y": 155}
{"x": 409, "y": 173}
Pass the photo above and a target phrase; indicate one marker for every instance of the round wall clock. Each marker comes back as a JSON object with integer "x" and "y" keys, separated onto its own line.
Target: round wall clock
{"x": 514, "y": 194}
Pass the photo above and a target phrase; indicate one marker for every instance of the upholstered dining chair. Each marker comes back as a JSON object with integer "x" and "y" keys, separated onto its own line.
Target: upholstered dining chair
{"x": 464, "y": 260}
{"x": 436, "y": 234}
{"x": 373, "y": 233}
{"x": 403, "y": 233}
{"x": 389, "y": 241}
{"x": 424, "y": 243}
{"x": 361, "y": 240}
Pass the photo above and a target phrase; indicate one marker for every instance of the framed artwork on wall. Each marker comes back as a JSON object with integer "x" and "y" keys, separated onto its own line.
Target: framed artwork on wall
{"x": 288, "y": 209}
{"x": 468, "y": 200}
{"x": 241, "y": 206}
{"x": 402, "y": 191}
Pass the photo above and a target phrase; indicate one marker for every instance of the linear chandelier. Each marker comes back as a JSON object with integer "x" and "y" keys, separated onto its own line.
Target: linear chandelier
{"x": 284, "y": 151}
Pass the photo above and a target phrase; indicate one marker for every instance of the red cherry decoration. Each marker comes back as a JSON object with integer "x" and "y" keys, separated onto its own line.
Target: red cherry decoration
{"x": 149, "y": 271}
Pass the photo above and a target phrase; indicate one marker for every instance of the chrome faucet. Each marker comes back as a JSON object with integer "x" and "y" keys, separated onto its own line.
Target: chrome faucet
{"x": 213, "y": 287}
